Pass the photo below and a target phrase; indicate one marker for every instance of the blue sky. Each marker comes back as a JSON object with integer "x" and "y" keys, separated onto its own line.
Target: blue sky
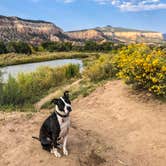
{"x": 81, "y": 14}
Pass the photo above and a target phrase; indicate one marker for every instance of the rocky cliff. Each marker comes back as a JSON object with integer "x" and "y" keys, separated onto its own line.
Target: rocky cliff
{"x": 36, "y": 31}
{"x": 17, "y": 29}
{"x": 117, "y": 34}
{"x": 164, "y": 36}
{"x": 91, "y": 34}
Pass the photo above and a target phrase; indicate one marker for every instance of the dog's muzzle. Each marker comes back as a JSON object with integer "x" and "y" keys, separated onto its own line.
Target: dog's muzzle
{"x": 66, "y": 111}
{"x": 62, "y": 113}
{"x": 69, "y": 109}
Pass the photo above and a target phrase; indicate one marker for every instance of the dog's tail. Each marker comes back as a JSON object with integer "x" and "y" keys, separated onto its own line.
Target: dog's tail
{"x": 36, "y": 138}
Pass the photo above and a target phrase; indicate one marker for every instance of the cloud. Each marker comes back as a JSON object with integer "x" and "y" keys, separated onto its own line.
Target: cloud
{"x": 135, "y": 5}
{"x": 68, "y": 1}
{"x": 65, "y": 1}
{"x": 127, "y": 5}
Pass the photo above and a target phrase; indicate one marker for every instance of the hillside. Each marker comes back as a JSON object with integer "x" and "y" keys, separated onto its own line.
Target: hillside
{"x": 37, "y": 31}
{"x": 114, "y": 125}
{"x": 33, "y": 31}
{"x": 164, "y": 36}
{"x": 109, "y": 33}
{"x": 91, "y": 34}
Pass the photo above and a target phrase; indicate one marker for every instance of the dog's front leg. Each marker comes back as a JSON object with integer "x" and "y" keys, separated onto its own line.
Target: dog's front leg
{"x": 54, "y": 149}
{"x": 55, "y": 152}
{"x": 65, "y": 151}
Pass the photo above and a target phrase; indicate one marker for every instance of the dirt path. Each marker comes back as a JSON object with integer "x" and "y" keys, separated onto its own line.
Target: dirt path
{"x": 39, "y": 104}
{"x": 114, "y": 126}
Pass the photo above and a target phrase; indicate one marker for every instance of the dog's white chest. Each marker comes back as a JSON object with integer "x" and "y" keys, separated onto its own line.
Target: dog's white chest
{"x": 64, "y": 126}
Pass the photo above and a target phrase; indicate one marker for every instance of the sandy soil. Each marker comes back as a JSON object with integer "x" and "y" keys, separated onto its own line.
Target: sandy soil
{"x": 113, "y": 126}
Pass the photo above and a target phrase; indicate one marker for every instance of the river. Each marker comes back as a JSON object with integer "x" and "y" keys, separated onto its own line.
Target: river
{"x": 15, "y": 69}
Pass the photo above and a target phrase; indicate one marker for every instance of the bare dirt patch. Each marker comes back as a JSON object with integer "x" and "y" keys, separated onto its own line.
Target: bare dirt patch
{"x": 113, "y": 126}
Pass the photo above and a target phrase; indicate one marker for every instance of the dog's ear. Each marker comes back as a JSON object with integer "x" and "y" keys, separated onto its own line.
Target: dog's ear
{"x": 66, "y": 94}
{"x": 54, "y": 101}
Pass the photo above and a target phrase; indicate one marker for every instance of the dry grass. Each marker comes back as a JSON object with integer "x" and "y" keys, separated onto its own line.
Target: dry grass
{"x": 13, "y": 58}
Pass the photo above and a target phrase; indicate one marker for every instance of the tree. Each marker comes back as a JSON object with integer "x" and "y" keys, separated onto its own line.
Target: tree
{"x": 57, "y": 46}
{"x": 106, "y": 46}
{"x": 90, "y": 46}
{"x": 49, "y": 46}
{"x": 11, "y": 47}
{"x": 24, "y": 48}
{"x": 66, "y": 46}
{"x": 2, "y": 48}
{"x": 1, "y": 86}
{"x": 19, "y": 47}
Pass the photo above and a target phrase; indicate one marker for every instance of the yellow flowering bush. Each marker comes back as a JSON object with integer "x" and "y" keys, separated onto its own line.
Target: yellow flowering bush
{"x": 143, "y": 67}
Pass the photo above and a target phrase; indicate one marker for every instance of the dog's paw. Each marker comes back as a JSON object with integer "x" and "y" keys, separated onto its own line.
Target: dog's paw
{"x": 56, "y": 153}
{"x": 65, "y": 152}
{"x": 52, "y": 151}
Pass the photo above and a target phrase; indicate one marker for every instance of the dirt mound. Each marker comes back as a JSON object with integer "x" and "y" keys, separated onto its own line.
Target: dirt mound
{"x": 113, "y": 126}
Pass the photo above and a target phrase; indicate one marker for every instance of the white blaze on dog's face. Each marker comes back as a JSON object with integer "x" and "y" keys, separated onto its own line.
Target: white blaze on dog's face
{"x": 63, "y": 104}
{"x": 67, "y": 107}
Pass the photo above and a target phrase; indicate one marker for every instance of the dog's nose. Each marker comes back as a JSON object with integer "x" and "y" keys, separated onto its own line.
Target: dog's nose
{"x": 69, "y": 109}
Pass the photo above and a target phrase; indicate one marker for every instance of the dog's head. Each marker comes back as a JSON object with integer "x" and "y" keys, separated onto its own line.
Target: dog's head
{"x": 63, "y": 104}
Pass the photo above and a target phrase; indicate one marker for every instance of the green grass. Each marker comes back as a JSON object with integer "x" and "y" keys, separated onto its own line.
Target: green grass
{"x": 11, "y": 108}
{"x": 83, "y": 89}
{"x": 30, "y": 106}
{"x": 30, "y": 87}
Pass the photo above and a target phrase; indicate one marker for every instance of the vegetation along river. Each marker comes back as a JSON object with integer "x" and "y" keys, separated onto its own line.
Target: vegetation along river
{"x": 15, "y": 69}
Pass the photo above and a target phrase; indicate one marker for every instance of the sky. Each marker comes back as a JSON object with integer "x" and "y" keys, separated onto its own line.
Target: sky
{"x": 83, "y": 14}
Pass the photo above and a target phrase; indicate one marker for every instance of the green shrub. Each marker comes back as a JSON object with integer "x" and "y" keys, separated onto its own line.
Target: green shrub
{"x": 29, "y": 87}
{"x": 11, "y": 93}
{"x": 2, "y": 48}
{"x": 72, "y": 70}
{"x": 90, "y": 46}
{"x": 106, "y": 46}
{"x": 56, "y": 46}
{"x": 24, "y": 48}
{"x": 18, "y": 47}
{"x": 1, "y": 86}
{"x": 101, "y": 68}
{"x": 11, "y": 47}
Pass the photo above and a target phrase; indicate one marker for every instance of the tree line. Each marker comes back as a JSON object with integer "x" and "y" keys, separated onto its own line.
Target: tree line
{"x": 26, "y": 48}
{"x": 16, "y": 47}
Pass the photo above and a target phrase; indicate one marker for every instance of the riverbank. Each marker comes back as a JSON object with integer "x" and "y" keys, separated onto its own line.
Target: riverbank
{"x": 28, "y": 88}
{"x": 15, "y": 59}
{"x": 15, "y": 70}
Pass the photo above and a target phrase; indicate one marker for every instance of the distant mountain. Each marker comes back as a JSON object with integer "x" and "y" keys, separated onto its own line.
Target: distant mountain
{"x": 164, "y": 36}
{"x": 110, "y": 33}
{"x": 37, "y": 31}
{"x": 33, "y": 31}
{"x": 119, "y": 29}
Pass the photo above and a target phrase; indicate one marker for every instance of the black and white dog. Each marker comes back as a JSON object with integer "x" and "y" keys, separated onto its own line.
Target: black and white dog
{"x": 54, "y": 130}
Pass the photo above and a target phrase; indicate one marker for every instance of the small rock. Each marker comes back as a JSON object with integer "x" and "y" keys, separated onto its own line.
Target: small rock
{"x": 12, "y": 130}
